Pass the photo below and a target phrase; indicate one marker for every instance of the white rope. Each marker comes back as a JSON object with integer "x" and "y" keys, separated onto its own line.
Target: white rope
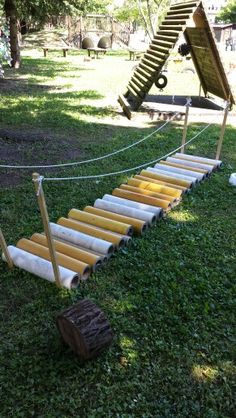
{"x": 128, "y": 169}
{"x": 92, "y": 159}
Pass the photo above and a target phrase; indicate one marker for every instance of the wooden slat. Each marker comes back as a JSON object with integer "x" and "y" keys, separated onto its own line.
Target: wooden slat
{"x": 125, "y": 106}
{"x": 163, "y": 44}
{"x": 159, "y": 48}
{"x": 173, "y": 27}
{"x": 150, "y": 70}
{"x": 168, "y": 33}
{"x": 132, "y": 91}
{"x": 140, "y": 76}
{"x": 138, "y": 83}
{"x": 143, "y": 73}
{"x": 157, "y": 54}
{"x": 150, "y": 63}
{"x": 184, "y": 16}
{"x": 186, "y": 5}
{"x": 136, "y": 89}
{"x": 156, "y": 60}
{"x": 174, "y": 22}
{"x": 180, "y": 12}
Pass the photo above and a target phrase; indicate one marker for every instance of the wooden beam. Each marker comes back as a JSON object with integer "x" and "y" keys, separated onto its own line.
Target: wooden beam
{"x": 45, "y": 219}
{"x": 221, "y": 138}
{"x": 5, "y": 251}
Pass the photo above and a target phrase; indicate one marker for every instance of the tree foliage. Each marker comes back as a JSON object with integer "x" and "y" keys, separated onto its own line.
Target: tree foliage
{"x": 146, "y": 13}
{"x": 228, "y": 13}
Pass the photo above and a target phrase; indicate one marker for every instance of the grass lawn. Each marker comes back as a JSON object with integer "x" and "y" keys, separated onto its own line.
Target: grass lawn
{"x": 170, "y": 298}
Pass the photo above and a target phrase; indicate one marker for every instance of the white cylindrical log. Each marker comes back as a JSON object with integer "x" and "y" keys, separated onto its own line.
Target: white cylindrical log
{"x": 42, "y": 268}
{"x": 193, "y": 164}
{"x": 192, "y": 180}
{"x": 130, "y": 203}
{"x": 86, "y": 241}
{"x": 176, "y": 170}
{"x": 125, "y": 210}
{"x": 202, "y": 160}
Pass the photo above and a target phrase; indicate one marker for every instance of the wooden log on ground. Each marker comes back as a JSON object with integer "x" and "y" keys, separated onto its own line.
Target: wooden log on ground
{"x": 85, "y": 329}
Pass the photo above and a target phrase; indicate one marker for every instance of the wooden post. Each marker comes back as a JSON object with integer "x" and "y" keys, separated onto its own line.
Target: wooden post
{"x": 185, "y": 126}
{"x": 5, "y": 251}
{"x": 81, "y": 33}
{"x": 47, "y": 230}
{"x": 220, "y": 141}
{"x": 200, "y": 90}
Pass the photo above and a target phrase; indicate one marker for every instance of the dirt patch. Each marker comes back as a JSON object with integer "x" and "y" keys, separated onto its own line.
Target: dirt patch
{"x": 22, "y": 147}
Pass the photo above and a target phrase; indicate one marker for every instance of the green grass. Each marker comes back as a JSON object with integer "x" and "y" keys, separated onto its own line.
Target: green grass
{"x": 170, "y": 298}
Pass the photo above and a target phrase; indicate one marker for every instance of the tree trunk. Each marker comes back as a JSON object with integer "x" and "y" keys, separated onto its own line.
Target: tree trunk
{"x": 11, "y": 14}
{"x": 85, "y": 329}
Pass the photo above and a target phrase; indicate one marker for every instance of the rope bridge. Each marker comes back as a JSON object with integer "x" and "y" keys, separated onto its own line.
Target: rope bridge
{"x": 69, "y": 250}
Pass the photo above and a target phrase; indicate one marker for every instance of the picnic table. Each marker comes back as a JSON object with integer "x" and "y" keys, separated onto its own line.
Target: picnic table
{"x": 64, "y": 50}
{"x": 96, "y": 51}
{"x": 135, "y": 54}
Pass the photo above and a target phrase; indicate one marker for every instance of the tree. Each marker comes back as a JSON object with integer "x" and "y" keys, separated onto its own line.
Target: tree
{"x": 228, "y": 13}
{"x": 147, "y": 13}
{"x": 11, "y": 16}
{"x": 39, "y": 11}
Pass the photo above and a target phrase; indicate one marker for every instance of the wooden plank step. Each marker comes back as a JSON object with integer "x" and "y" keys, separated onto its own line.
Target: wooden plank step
{"x": 152, "y": 57}
{"x": 159, "y": 49}
{"x": 143, "y": 73}
{"x": 186, "y": 5}
{"x": 162, "y": 43}
{"x": 175, "y": 22}
{"x": 152, "y": 64}
{"x": 165, "y": 38}
{"x": 180, "y": 16}
{"x": 136, "y": 89}
{"x": 171, "y": 27}
{"x": 179, "y": 12}
{"x": 132, "y": 91}
{"x": 147, "y": 68}
{"x": 138, "y": 83}
{"x": 144, "y": 78}
{"x": 157, "y": 54}
{"x": 168, "y": 33}
{"x": 139, "y": 76}
{"x": 125, "y": 106}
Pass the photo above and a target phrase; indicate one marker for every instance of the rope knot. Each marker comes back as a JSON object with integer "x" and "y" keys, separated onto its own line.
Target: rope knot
{"x": 188, "y": 101}
{"x": 39, "y": 180}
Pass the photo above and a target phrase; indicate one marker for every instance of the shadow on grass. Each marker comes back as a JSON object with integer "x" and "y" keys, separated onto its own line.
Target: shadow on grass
{"x": 38, "y": 68}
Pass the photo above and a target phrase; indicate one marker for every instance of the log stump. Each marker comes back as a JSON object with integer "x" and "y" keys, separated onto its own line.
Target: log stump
{"x": 85, "y": 329}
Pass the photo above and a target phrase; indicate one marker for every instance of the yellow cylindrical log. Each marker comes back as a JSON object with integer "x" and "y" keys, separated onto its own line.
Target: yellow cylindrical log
{"x": 101, "y": 222}
{"x": 63, "y": 260}
{"x": 147, "y": 185}
{"x": 139, "y": 190}
{"x": 163, "y": 183}
{"x": 118, "y": 241}
{"x": 141, "y": 198}
{"x": 185, "y": 167}
{"x": 70, "y": 250}
{"x": 138, "y": 225}
{"x": 171, "y": 180}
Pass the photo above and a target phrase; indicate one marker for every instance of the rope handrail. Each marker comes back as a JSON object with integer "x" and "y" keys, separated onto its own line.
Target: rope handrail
{"x": 24, "y": 167}
{"x": 128, "y": 169}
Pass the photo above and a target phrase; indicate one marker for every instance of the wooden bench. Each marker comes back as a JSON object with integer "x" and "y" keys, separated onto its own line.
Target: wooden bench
{"x": 96, "y": 51}
{"x": 135, "y": 54}
{"x": 64, "y": 50}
